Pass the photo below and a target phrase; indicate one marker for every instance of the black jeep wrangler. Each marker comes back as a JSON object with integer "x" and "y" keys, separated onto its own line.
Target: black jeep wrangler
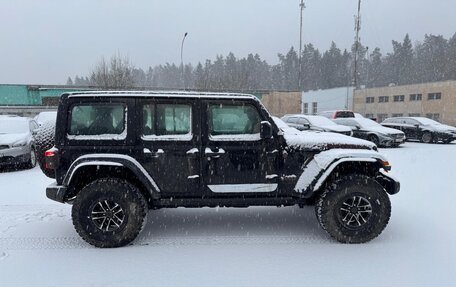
{"x": 118, "y": 154}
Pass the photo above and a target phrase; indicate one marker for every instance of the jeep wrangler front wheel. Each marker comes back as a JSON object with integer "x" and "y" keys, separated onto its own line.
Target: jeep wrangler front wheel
{"x": 354, "y": 209}
{"x": 109, "y": 213}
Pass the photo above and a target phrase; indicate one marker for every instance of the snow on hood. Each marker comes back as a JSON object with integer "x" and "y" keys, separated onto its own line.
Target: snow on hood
{"x": 319, "y": 140}
{"x": 10, "y": 139}
{"x": 324, "y": 140}
{"x": 337, "y": 128}
{"x": 383, "y": 130}
{"x": 443, "y": 128}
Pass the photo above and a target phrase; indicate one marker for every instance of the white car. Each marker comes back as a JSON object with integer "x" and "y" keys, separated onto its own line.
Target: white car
{"x": 16, "y": 141}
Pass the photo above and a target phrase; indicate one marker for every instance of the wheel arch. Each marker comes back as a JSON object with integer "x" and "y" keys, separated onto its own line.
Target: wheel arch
{"x": 88, "y": 168}
{"x": 341, "y": 167}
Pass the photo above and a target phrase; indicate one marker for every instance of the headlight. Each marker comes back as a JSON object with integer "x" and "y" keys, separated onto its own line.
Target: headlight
{"x": 19, "y": 143}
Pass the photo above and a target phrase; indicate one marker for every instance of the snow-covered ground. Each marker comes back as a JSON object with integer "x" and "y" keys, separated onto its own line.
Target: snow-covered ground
{"x": 257, "y": 246}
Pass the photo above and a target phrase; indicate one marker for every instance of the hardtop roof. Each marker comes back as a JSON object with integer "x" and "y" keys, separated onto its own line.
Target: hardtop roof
{"x": 166, "y": 94}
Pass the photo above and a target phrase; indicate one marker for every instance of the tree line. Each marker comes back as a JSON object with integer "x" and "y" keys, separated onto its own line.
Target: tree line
{"x": 432, "y": 59}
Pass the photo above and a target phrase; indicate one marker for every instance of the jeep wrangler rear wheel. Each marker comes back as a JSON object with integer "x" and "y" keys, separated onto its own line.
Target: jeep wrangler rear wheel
{"x": 354, "y": 209}
{"x": 109, "y": 213}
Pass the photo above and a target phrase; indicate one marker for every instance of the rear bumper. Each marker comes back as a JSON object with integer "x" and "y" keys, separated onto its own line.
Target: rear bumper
{"x": 56, "y": 192}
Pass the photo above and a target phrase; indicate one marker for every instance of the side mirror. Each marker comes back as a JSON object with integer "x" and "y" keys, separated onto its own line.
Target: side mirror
{"x": 266, "y": 130}
{"x": 416, "y": 125}
{"x": 34, "y": 132}
{"x": 358, "y": 127}
{"x": 306, "y": 126}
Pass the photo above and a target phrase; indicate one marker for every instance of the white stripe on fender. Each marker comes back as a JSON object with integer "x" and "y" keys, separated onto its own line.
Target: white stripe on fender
{"x": 233, "y": 188}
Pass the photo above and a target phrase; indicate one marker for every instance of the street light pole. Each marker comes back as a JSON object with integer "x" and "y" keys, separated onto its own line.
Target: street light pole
{"x": 357, "y": 28}
{"x": 182, "y": 59}
{"x": 301, "y": 6}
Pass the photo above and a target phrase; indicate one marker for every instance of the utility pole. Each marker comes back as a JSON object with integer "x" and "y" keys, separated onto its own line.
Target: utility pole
{"x": 357, "y": 28}
{"x": 301, "y": 7}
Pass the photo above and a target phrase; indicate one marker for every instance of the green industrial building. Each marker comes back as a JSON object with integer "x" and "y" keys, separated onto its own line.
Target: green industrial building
{"x": 32, "y": 95}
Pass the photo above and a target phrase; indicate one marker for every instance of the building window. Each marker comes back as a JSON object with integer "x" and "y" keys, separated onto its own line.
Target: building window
{"x": 314, "y": 108}
{"x": 369, "y": 100}
{"x": 398, "y": 98}
{"x": 434, "y": 96}
{"x": 415, "y": 97}
{"x": 414, "y": 115}
{"x": 306, "y": 108}
{"x": 381, "y": 117}
{"x": 397, "y": 115}
{"x": 369, "y": 116}
{"x": 435, "y": 116}
{"x": 383, "y": 99}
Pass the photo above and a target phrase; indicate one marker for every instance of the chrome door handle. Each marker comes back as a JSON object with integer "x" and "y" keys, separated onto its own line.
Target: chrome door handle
{"x": 217, "y": 153}
{"x": 156, "y": 153}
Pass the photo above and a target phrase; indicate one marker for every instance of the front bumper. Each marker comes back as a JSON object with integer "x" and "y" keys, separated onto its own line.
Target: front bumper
{"x": 14, "y": 155}
{"x": 391, "y": 185}
{"x": 56, "y": 192}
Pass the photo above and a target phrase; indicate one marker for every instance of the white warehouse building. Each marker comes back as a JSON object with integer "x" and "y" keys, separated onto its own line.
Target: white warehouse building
{"x": 313, "y": 102}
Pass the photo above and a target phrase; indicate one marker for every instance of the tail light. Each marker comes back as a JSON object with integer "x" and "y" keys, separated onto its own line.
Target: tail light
{"x": 51, "y": 158}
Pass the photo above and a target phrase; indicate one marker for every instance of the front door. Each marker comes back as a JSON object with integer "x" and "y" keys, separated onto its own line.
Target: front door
{"x": 170, "y": 133}
{"x": 234, "y": 157}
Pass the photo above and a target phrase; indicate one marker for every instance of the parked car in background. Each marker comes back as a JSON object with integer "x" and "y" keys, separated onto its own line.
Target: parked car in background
{"x": 315, "y": 123}
{"x": 43, "y": 117}
{"x": 16, "y": 141}
{"x": 373, "y": 131}
{"x": 422, "y": 129}
{"x": 337, "y": 114}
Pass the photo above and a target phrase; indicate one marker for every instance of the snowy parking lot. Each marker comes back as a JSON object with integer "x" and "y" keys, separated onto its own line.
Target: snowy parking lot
{"x": 257, "y": 246}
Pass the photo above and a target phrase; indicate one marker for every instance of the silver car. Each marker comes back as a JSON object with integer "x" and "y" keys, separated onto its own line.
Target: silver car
{"x": 315, "y": 123}
{"x": 16, "y": 141}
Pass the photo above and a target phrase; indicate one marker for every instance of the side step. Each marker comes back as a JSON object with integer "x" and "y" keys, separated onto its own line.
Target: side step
{"x": 225, "y": 202}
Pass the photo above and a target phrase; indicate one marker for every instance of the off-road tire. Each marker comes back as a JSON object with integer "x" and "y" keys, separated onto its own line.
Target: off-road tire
{"x": 44, "y": 140}
{"x": 122, "y": 193}
{"x": 330, "y": 202}
{"x": 426, "y": 137}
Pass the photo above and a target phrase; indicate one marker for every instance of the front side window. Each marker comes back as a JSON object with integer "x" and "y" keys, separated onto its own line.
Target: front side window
{"x": 97, "y": 120}
{"x": 166, "y": 120}
{"x": 233, "y": 120}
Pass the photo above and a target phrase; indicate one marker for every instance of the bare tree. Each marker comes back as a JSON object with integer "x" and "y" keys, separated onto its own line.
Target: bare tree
{"x": 117, "y": 74}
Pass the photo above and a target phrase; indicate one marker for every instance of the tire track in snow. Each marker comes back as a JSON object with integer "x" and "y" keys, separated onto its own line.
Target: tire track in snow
{"x": 56, "y": 243}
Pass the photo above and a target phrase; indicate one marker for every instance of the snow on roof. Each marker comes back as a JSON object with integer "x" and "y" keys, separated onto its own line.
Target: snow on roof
{"x": 191, "y": 94}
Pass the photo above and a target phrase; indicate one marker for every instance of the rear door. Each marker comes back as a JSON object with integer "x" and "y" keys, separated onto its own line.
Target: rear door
{"x": 235, "y": 160}
{"x": 170, "y": 148}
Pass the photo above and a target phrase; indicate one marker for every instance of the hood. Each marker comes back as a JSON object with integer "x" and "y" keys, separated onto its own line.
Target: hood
{"x": 443, "y": 128}
{"x": 308, "y": 140}
{"x": 384, "y": 130}
{"x": 336, "y": 128}
{"x": 10, "y": 139}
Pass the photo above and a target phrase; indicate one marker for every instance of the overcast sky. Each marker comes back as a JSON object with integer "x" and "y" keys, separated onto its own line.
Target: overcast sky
{"x": 45, "y": 41}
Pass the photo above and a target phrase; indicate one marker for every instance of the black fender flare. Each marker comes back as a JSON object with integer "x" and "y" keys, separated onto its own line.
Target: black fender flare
{"x": 117, "y": 160}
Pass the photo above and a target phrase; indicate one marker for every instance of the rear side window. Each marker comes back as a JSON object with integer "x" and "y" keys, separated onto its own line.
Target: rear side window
{"x": 345, "y": 114}
{"x": 167, "y": 120}
{"x": 101, "y": 120}
{"x": 233, "y": 120}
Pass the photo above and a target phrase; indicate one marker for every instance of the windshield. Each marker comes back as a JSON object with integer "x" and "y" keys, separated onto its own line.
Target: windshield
{"x": 366, "y": 123}
{"x": 46, "y": 116}
{"x": 320, "y": 121}
{"x": 426, "y": 121}
{"x": 13, "y": 126}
